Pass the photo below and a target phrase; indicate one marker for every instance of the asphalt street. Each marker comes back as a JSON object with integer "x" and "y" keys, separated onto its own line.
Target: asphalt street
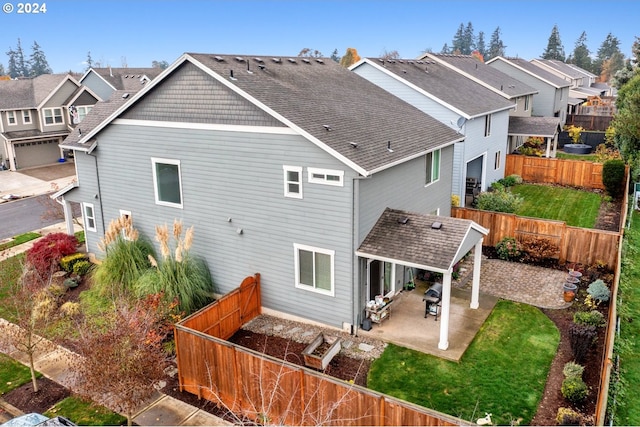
{"x": 23, "y": 215}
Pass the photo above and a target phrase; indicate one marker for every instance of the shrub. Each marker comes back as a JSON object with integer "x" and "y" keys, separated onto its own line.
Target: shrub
{"x": 599, "y": 291}
{"x": 511, "y": 180}
{"x": 581, "y": 338}
{"x": 613, "y": 177}
{"x": 455, "y": 200}
{"x": 46, "y": 253}
{"x": 497, "y": 186}
{"x": 572, "y": 369}
{"x": 533, "y": 146}
{"x": 126, "y": 258}
{"x": 179, "y": 275}
{"x": 499, "y": 201}
{"x": 67, "y": 262}
{"x": 592, "y": 317}
{"x": 574, "y": 389}
{"x": 574, "y": 133}
{"x": 568, "y": 417}
{"x": 539, "y": 248}
{"x": 82, "y": 267}
{"x": 508, "y": 248}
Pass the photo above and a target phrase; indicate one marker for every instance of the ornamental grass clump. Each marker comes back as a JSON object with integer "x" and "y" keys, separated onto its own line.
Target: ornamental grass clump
{"x": 178, "y": 275}
{"x": 126, "y": 258}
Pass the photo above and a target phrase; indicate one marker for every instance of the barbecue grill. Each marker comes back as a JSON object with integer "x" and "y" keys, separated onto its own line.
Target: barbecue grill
{"x": 432, "y": 297}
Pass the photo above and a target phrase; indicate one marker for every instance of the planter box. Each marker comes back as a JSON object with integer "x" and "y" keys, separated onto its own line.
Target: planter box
{"x": 322, "y": 349}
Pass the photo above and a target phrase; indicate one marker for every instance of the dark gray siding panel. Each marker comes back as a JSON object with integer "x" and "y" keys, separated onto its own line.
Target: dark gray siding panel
{"x": 234, "y": 180}
{"x": 98, "y": 85}
{"x": 201, "y": 98}
{"x": 402, "y": 187}
{"x": 85, "y": 99}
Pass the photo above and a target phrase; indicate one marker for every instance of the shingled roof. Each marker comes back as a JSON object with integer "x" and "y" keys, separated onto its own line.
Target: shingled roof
{"x": 99, "y": 112}
{"x": 536, "y": 71}
{"x": 417, "y": 239}
{"x": 451, "y": 88}
{"x": 341, "y": 112}
{"x": 534, "y": 126}
{"x": 493, "y": 77}
{"x": 28, "y": 93}
{"x": 131, "y": 79}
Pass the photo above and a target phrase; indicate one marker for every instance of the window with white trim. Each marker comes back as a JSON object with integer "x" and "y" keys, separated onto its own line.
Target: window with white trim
{"x": 11, "y": 118}
{"x": 326, "y": 176}
{"x": 432, "y": 167}
{"x": 527, "y": 100}
{"x": 167, "y": 184}
{"x": 78, "y": 113}
{"x": 52, "y": 116}
{"x": 26, "y": 117}
{"x": 496, "y": 162}
{"x": 487, "y": 125}
{"x": 126, "y": 215}
{"x": 292, "y": 181}
{"x": 89, "y": 214}
{"x": 314, "y": 269}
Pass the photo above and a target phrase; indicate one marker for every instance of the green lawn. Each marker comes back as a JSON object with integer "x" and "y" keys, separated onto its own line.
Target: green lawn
{"x": 12, "y": 374}
{"x": 627, "y": 343}
{"x": 577, "y": 208}
{"x": 10, "y": 270}
{"x": 503, "y": 372}
{"x": 85, "y": 413}
{"x": 583, "y": 157}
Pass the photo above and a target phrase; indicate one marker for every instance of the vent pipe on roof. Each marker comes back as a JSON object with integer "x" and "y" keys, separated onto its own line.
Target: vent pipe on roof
{"x": 436, "y": 225}
{"x": 389, "y": 147}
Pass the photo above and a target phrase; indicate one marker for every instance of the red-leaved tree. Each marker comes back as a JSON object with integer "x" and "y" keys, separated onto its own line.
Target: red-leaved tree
{"x": 46, "y": 253}
{"x": 121, "y": 357}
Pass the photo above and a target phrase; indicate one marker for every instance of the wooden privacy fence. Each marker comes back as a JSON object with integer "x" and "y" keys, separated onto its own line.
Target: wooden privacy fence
{"x": 590, "y": 122}
{"x": 581, "y": 245}
{"x": 575, "y": 173}
{"x": 270, "y": 390}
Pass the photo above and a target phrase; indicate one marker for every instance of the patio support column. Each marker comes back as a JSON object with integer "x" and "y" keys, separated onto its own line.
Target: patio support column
{"x": 475, "y": 286}
{"x": 446, "y": 309}
{"x": 68, "y": 216}
{"x": 548, "y": 153}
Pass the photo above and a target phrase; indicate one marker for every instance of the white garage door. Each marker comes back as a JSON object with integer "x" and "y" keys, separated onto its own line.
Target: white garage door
{"x": 30, "y": 154}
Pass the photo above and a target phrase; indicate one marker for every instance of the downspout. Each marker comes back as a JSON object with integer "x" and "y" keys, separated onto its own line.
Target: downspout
{"x": 95, "y": 160}
{"x": 356, "y": 277}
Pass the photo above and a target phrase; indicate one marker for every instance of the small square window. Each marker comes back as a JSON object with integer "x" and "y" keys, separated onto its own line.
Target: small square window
{"x": 293, "y": 181}
{"x": 26, "y": 117}
{"x": 11, "y": 118}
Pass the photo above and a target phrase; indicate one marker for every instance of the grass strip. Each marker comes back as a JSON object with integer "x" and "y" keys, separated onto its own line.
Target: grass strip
{"x": 20, "y": 239}
{"x": 503, "y": 372}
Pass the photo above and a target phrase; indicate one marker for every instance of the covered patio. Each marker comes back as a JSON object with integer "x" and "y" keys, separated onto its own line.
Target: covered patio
{"x": 435, "y": 244}
{"x": 521, "y": 128}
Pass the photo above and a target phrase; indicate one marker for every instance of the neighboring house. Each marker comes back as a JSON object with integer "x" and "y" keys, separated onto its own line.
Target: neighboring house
{"x": 463, "y": 104}
{"x": 513, "y": 90}
{"x": 580, "y": 80}
{"x": 510, "y": 88}
{"x": 283, "y": 166}
{"x": 553, "y": 91}
{"x": 36, "y": 115}
{"x": 105, "y": 81}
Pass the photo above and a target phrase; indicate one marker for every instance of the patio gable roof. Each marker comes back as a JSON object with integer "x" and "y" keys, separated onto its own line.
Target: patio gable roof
{"x": 415, "y": 240}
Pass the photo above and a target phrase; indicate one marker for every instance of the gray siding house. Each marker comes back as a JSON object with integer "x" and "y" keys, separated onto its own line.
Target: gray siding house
{"x": 458, "y": 102}
{"x": 105, "y": 81}
{"x": 36, "y": 115}
{"x": 553, "y": 91}
{"x": 282, "y": 165}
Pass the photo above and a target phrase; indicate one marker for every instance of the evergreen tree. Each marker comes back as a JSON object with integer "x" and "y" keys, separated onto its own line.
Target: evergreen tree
{"x": 12, "y": 68}
{"x": 635, "y": 52}
{"x": 581, "y": 55}
{"x": 496, "y": 47}
{"x": 458, "y": 40}
{"x": 554, "y": 49}
{"x": 334, "y": 56}
{"x": 609, "y": 48}
{"x": 480, "y": 44}
{"x": 22, "y": 65}
{"x": 445, "y": 49}
{"x": 2, "y": 72}
{"x": 469, "y": 42}
{"x": 89, "y": 60}
{"x": 38, "y": 61}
